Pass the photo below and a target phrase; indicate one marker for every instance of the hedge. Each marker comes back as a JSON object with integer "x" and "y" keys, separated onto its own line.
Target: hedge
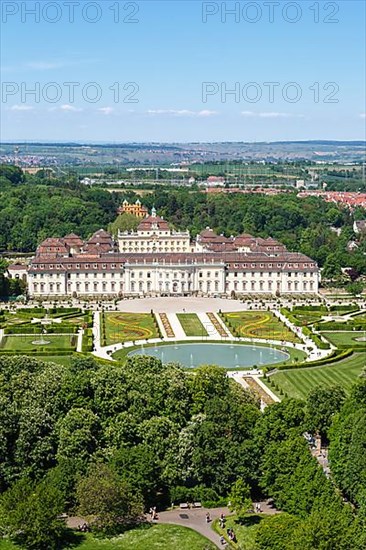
{"x": 288, "y": 314}
{"x": 333, "y": 325}
{"x": 349, "y": 308}
{"x": 310, "y": 308}
{"x": 87, "y": 341}
{"x": 333, "y": 358}
{"x": 34, "y": 329}
{"x": 41, "y": 352}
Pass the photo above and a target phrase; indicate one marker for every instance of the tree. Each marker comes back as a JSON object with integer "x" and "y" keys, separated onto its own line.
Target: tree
{"x": 355, "y": 288}
{"x": 124, "y": 222}
{"x": 321, "y": 405}
{"x": 29, "y": 515}
{"x": 239, "y": 498}
{"x": 276, "y": 532}
{"x": 78, "y": 435}
{"x": 106, "y": 500}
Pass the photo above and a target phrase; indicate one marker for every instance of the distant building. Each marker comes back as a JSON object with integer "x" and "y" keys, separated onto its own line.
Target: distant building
{"x": 17, "y": 271}
{"x": 214, "y": 181}
{"x": 136, "y": 209}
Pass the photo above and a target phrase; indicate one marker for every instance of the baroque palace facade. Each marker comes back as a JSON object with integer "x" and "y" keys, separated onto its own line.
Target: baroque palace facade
{"x": 156, "y": 260}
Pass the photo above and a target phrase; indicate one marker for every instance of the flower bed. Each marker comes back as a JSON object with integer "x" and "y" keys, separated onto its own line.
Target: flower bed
{"x": 218, "y": 326}
{"x": 167, "y": 326}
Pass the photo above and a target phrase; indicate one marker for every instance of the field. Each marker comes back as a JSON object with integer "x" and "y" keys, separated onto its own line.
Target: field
{"x": 25, "y": 343}
{"x": 258, "y": 324}
{"x": 156, "y": 537}
{"x": 126, "y": 327}
{"x": 298, "y": 382}
{"x": 191, "y": 324}
{"x": 348, "y": 338}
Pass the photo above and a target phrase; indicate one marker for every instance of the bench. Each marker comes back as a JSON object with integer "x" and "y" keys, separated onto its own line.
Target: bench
{"x": 197, "y": 505}
{"x": 183, "y": 505}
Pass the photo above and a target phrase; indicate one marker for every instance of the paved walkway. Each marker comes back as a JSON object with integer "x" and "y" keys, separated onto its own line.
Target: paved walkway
{"x": 316, "y": 352}
{"x": 79, "y": 345}
{"x": 196, "y": 519}
{"x": 210, "y": 329}
{"x": 176, "y": 326}
{"x": 179, "y": 305}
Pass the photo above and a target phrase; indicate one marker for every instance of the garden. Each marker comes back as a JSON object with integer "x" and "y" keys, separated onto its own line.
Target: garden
{"x": 43, "y": 332}
{"x": 191, "y": 324}
{"x": 127, "y": 327}
{"x": 258, "y": 324}
{"x": 298, "y": 383}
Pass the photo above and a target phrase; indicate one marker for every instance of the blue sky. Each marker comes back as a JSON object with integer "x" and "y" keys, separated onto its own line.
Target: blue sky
{"x": 163, "y": 70}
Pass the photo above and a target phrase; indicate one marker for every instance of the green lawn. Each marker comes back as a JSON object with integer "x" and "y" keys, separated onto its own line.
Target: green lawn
{"x": 191, "y": 324}
{"x": 349, "y": 338}
{"x": 126, "y": 327}
{"x": 244, "y": 532}
{"x": 259, "y": 324}
{"x": 25, "y": 343}
{"x": 298, "y": 382}
{"x": 156, "y": 537}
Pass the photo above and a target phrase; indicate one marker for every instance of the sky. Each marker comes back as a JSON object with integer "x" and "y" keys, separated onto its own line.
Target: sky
{"x": 182, "y": 71}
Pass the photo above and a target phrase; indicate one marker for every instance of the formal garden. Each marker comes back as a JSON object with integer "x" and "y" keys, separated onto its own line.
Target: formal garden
{"x": 127, "y": 327}
{"x": 51, "y": 332}
{"x": 258, "y": 324}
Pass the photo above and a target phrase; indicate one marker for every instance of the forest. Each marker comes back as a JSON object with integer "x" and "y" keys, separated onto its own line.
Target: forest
{"x": 34, "y": 207}
{"x": 111, "y": 442}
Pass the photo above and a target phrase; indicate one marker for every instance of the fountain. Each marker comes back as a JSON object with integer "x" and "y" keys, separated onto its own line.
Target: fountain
{"x": 195, "y": 354}
{"x": 42, "y": 341}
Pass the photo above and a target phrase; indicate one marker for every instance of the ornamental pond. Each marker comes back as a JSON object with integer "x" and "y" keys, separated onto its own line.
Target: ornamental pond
{"x": 229, "y": 356}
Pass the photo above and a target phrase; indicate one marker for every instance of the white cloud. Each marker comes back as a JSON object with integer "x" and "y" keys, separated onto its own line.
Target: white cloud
{"x": 69, "y": 108}
{"x": 21, "y": 108}
{"x": 207, "y": 113}
{"x": 106, "y": 110}
{"x": 363, "y": 115}
{"x": 270, "y": 114}
{"x": 181, "y": 112}
{"x": 45, "y": 65}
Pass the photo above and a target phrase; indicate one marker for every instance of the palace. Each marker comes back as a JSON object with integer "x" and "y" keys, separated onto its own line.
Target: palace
{"x": 135, "y": 209}
{"x": 156, "y": 260}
